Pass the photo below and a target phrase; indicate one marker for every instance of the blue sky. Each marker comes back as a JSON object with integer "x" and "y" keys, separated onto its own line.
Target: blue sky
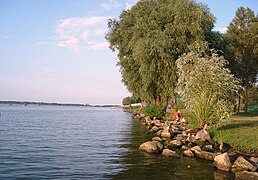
{"x": 55, "y": 51}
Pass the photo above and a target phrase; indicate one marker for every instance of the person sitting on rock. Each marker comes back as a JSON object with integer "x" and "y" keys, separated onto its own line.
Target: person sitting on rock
{"x": 177, "y": 117}
{"x": 225, "y": 116}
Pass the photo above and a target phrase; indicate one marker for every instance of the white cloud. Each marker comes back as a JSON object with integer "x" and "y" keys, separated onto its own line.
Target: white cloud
{"x": 221, "y": 30}
{"x": 85, "y": 35}
{"x": 130, "y": 3}
{"x": 81, "y": 21}
{"x": 110, "y": 4}
{"x": 43, "y": 43}
{"x": 75, "y": 33}
{"x": 99, "y": 32}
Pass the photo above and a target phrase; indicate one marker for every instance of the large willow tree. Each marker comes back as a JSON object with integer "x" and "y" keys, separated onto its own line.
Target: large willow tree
{"x": 149, "y": 39}
{"x": 243, "y": 33}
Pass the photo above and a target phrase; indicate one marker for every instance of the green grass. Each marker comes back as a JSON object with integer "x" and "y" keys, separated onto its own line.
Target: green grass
{"x": 241, "y": 132}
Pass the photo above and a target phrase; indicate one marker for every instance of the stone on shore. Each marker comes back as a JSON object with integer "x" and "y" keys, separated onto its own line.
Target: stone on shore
{"x": 155, "y": 123}
{"x": 242, "y": 164}
{"x": 165, "y": 133}
{"x": 192, "y": 144}
{"x": 184, "y": 133}
{"x": 154, "y": 129}
{"x": 184, "y": 147}
{"x": 192, "y": 131}
{"x": 246, "y": 175}
{"x": 224, "y": 147}
{"x": 168, "y": 152}
{"x": 176, "y": 143}
{"x": 159, "y": 133}
{"x": 151, "y": 147}
{"x": 156, "y": 139}
{"x": 188, "y": 153}
{"x": 196, "y": 148}
{"x": 203, "y": 135}
{"x": 254, "y": 159}
{"x": 222, "y": 162}
{"x": 205, "y": 155}
{"x": 190, "y": 138}
{"x": 208, "y": 148}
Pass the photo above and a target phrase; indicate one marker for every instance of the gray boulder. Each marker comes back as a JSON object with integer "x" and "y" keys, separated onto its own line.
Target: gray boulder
{"x": 242, "y": 164}
{"x": 151, "y": 147}
{"x": 190, "y": 138}
{"x": 224, "y": 147}
{"x": 176, "y": 143}
{"x": 203, "y": 135}
{"x": 168, "y": 152}
{"x": 165, "y": 133}
{"x": 188, "y": 153}
{"x": 254, "y": 159}
{"x": 206, "y": 155}
{"x": 208, "y": 148}
{"x": 184, "y": 133}
{"x": 222, "y": 162}
{"x": 155, "y": 122}
{"x": 159, "y": 133}
{"x": 196, "y": 148}
{"x": 154, "y": 129}
{"x": 246, "y": 175}
{"x": 156, "y": 139}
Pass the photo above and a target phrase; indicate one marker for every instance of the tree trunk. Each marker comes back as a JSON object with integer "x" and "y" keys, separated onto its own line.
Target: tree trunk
{"x": 239, "y": 100}
{"x": 235, "y": 104}
{"x": 157, "y": 101}
{"x": 174, "y": 102}
{"x": 246, "y": 99}
{"x": 165, "y": 104}
{"x": 154, "y": 100}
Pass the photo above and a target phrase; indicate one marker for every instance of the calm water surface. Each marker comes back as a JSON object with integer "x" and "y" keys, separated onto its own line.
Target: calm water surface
{"x": 50, "y": 142}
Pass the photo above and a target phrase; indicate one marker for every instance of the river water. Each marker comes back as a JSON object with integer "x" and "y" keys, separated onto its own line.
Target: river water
{"x": 51, "y": 142}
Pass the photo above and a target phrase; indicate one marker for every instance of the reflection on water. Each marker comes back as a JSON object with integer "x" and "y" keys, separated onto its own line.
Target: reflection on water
{"x": 84, "y": 143}
{"x": 140, "y": 165}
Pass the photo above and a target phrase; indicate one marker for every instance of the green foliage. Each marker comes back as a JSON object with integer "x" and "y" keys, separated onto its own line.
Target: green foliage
{"x": 149, "y": 39}
{"x": 131, "y": 100}
{"x": 154, "y": 111}
{"x": 253, "y": 95}
{"x": 205, "y": 86}
{"x": 243, "y": 35}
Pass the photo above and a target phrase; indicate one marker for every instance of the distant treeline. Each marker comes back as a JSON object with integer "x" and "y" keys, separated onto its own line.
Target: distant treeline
{"x": 25, "y": 103}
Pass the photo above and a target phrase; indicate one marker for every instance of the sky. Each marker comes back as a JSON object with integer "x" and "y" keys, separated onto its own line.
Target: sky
{"x": 55, "y": 51}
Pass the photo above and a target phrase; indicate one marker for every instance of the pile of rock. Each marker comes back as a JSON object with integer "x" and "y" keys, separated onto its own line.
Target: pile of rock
{"x": 177, "y": 140}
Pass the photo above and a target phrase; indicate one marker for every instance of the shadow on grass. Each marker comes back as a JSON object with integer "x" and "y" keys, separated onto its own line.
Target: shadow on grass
{"x": 238, "y": 124}
{"x": 251, "y": 113}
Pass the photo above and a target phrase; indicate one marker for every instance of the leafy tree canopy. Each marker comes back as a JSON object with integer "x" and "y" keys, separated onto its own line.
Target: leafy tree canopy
{"x": 243, "y": 33}
{"x": 149, "y": 39}
{"x": 131, "y": 100}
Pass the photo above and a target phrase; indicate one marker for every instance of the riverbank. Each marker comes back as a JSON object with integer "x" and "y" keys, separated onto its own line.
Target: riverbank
{"x": 178, "y": 140}
{"x": 241, "y": 132}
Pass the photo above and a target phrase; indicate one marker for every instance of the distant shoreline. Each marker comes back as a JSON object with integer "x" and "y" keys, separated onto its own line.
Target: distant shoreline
{"x": 26, "y": 103}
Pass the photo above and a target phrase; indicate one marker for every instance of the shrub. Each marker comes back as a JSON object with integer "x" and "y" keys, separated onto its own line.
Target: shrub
{"x": 206, "y": 87}
{"x": 154, "y": 111}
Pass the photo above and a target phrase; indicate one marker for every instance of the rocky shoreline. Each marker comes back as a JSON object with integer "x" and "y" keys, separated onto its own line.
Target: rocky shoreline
{"x": 178, "y": 140}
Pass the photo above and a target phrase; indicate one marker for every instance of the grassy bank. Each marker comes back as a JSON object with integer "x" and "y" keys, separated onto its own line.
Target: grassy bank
{"x": 241, "y": 132}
